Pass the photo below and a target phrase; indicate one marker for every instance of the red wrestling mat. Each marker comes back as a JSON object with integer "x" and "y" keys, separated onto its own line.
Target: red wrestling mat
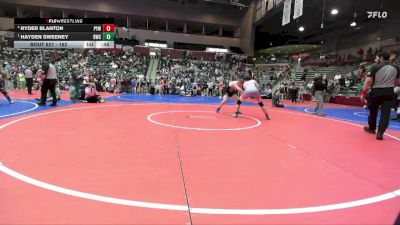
{"x": 117, "y": 163}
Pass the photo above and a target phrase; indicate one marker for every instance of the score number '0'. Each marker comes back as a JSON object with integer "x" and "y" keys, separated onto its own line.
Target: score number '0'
{"x": 108, "y": 36}
{"x": 108, "y": 27}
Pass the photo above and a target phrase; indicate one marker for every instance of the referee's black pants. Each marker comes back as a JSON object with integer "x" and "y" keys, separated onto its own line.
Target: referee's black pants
{"x": 29, "y": 84}
{"x": 48, "y": 85}
{"x": 383, "y": 98}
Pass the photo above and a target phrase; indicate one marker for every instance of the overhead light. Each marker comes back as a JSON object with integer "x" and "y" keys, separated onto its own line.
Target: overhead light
{"x": 155, "y": 45}
{"x": 353, "y": 24}
{"x": 301, "y": 28}
{"x": 322, "y": 42}
{"x": 334, "y": 11}
{"x": 220, "y": 50}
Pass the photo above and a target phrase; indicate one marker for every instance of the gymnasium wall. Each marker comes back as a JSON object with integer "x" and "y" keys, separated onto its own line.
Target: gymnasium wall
{"x": 390, "y": 34}
{"x": 170, "y": 37}
{"x": 6, "y": 23}
{"x": 247, "y": 31}
{"x": 383, "y": 36}
{"x": 351, "y": 43}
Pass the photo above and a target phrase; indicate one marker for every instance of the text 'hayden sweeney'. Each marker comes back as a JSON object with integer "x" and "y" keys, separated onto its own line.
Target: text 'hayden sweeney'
{"x": 43, "y": 37}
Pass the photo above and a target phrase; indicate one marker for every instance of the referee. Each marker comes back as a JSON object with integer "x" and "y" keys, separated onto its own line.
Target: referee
{"x": 29, "y": 79}
{"x": 49, "y": 83}
{"x": 382, "y": 78}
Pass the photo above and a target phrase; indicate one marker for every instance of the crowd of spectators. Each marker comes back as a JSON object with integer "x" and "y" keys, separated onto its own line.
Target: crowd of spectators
{"x": 351, "y": 58}
{"x": 106, "y": 71}
{"x": 337, "y": 84}
{"x": 122, "y": 71}
{"x": 125, "y": 72}
{"x": 272, "y": 72}
{"x": 190, "y": 76}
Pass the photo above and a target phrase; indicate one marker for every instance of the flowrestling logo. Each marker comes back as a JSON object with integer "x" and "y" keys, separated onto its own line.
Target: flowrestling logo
{"x": 377, "y": 14}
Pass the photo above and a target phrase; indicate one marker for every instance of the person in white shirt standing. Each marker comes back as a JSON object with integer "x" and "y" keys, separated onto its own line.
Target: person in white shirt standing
{"x": 210, "y": 85}
{"x": 29, "y": 80}
{"x": 250, "y": 87}
{"x": 49, "y": 83}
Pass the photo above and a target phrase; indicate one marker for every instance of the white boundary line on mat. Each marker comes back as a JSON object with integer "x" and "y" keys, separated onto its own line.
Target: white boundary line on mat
{"x": 149, "y": 117}
{"x": 17, "y": 113}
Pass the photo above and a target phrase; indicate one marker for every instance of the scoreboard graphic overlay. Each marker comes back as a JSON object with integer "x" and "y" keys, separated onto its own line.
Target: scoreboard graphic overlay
{"x": 40, "y": 33}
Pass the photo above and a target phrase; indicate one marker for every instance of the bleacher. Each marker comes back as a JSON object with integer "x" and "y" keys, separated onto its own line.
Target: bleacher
{"x": 265, "y": 75}
{"x": 330, "y": 71}
{"x": 268, "y": 74}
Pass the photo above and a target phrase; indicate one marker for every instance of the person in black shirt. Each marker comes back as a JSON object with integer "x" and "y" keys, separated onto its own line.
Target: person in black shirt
{"x": 293, "y": 91}
{"x": 77, "y": 78}
{"x": 382, "y": 78}
{"x": 3, "y": 77}
{"x": 304, "y": 76}
{"x": 319, "y": 89}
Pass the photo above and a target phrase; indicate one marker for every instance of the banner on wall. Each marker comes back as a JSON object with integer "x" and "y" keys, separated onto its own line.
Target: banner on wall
{"x": 270, "y": 4}
{"x": 287, "y": 8}
{"x": 298, "y": 9}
